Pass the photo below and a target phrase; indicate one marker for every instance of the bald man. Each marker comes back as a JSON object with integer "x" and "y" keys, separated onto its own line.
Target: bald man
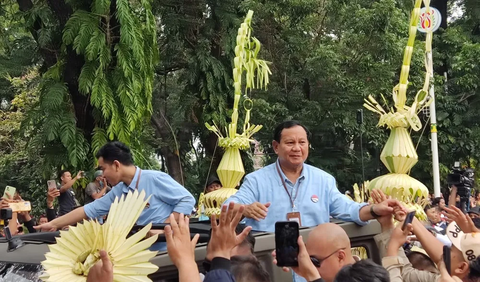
{"x": 330, "y": 245}
{"x": 326, "y": 252}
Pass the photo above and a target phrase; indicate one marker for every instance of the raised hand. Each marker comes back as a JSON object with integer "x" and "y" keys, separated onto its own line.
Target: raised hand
{"x": 257, "y": 211}
{"x": 224, "y": 238}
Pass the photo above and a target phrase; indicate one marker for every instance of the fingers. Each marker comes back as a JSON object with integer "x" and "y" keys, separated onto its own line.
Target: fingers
{"x": 301, "y": 245}
{"x": 107, "y": 265}
{"x": 443, "y": 269}
{"x": 267, "y": 205}
{"x": 174, "y": 224}
{"x": 408, "y": 229}
{"x": 230, "y": 213}
{"x": 168, "y": 233}
{"x": 195, "y": 240}
{"x": 213, "y": 221}
{"x": 241, "y": 237}
{"x": 238, "y": 216}
{"x": 223, "y": 215}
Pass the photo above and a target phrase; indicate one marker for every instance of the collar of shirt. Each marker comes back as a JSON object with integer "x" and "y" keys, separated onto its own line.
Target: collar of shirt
{"x": 133, "y": 183}
{"x": 299, "y": 180}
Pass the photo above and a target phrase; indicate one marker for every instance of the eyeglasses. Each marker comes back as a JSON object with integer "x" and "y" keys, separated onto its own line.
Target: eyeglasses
{"x": 318, "y": 262}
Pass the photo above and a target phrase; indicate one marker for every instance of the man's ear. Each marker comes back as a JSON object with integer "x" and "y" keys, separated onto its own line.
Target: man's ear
{"x": 275, "y": 145}
{"x": 342, "y": 256}
{"x": 116, "y": 164}
{"x": 462, "y": 269}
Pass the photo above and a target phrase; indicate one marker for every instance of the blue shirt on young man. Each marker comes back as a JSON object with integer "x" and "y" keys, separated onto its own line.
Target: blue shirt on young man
{"x": 167, "y": 196}
{"x": 318, "y": 198}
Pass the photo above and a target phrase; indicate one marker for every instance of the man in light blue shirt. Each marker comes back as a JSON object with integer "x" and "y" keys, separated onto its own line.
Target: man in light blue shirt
{"x": 289, "y": 189}
{"x": 167, "y": 196}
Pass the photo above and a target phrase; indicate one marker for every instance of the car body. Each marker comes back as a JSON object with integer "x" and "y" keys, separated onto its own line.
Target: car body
{"x": 25, "y": 261}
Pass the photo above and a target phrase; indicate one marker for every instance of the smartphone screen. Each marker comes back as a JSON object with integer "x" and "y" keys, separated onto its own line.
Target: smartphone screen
{"x": 446, "y": 258}
{"x": 10, "y": 190}
{"x": 52, "y": 184}
{"x": 286, "y": 243}
{"x": 408, "y": 219}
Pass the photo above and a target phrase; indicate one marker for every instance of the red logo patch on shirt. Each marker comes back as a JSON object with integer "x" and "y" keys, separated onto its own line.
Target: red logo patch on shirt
{"x": 314, "y": 198}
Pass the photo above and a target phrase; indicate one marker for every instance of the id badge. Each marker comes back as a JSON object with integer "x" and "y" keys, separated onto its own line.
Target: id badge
{"x": 294, "y": 216}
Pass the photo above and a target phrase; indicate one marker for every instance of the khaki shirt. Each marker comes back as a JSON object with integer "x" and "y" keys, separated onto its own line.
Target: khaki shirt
{"x": 399, "y": 267}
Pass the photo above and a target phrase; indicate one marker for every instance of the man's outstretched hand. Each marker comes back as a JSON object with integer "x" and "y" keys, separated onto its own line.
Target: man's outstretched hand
{"x": 257, "y": 211}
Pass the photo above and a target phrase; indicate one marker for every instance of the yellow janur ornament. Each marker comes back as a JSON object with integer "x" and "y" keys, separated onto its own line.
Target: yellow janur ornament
{"x": 77, "y": 249}
{"x": 399, "y": 155}
{"x": 256, "y": 72}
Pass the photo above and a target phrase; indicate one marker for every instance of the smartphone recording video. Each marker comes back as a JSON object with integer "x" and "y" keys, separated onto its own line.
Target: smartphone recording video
{"x": 408, "y": 219}
{"x": 286, "y": 243}
{"x": 51, "y": 184}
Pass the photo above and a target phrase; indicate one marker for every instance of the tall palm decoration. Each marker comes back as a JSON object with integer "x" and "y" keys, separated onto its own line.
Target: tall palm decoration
{"x": 399, "y": 155}
{"x": 256, "y": 73}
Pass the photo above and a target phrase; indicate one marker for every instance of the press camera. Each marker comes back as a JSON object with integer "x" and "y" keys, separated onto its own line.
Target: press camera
{"x": 464, "y": 180}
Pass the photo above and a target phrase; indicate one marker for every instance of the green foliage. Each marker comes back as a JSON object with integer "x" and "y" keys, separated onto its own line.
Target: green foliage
{"x": 118, "y": 72}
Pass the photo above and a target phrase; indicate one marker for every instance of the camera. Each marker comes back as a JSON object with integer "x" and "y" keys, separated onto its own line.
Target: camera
{"x": 464, "y": 180}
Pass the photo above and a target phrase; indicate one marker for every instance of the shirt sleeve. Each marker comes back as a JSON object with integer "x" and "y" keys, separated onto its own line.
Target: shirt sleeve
{"x": 174, "y": 194}
{"x": 100, "y": 207}
{"x": 342, "y": 207}
{"x": 401, "y": 264}
{"x": 51, "y": 214}
{"x": 247, "y": 194}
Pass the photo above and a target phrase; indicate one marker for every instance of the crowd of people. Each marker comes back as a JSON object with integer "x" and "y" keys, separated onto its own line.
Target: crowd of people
{"x": 289, "y": 189}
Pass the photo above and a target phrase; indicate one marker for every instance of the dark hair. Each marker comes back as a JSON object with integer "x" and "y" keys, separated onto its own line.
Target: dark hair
{"x": 474, "y": 273}
{"x": 436, "y": 201}
{"x": 115, "y": 151}
{"x": 248, "y": 269}
{"x": 364, "y": 270}
{"x": 428, "y": 207}
{"x": 249, "y": 240}
{"x": 61, "y": 173}
{"x": 421, "y": 262}
{"x": 476, "y": 221}
{"x": 277, "y": 134}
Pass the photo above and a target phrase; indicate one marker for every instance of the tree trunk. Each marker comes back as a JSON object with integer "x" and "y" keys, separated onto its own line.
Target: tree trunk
{"x": 172, "y": 159}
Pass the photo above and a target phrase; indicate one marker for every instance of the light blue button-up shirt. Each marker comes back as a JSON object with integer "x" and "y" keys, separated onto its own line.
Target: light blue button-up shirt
{"x": 167, "y": 196}
{"x": 318, "y": 198}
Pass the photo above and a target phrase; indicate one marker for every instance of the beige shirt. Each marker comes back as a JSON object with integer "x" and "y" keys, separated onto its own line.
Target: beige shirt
{"x": 399, "y": 267}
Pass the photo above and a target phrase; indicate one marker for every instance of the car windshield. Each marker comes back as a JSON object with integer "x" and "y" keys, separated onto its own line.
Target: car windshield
{"x": 20, "y": 272}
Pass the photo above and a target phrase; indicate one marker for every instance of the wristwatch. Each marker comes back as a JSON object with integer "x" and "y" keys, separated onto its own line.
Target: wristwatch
{"x": 374, "y": 215}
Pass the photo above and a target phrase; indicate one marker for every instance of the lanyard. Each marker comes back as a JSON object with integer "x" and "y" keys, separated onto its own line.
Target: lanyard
{"x": 292, "y": 201}
{"x": 138, "y": 180}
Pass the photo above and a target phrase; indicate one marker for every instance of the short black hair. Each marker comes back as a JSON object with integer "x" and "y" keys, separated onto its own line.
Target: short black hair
{"x": 364, "y": 270}
{"x": 436, "y": 201}
{"x": 115, "y": 151}
{"x": 248, "y": 269}
{"x": 277, "y": 134}
{"x": 428, "y": 207}
{"x": 474, "y": 273}
{"x": 420, "y": 261}
{"x": 249, "y": 240}
{"x": 61, "y": 173}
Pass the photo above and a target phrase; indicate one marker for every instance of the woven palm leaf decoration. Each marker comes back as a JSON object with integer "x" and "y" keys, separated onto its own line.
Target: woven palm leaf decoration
{"x": 77, "y": 249}
{"x": 399, "y": 154}
{"x": 256, "y": 73}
